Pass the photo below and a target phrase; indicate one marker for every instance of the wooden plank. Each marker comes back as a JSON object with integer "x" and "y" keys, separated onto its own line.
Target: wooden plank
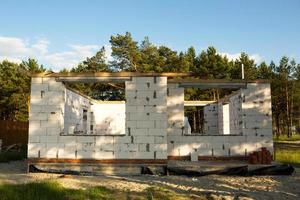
{"x": 93, "y": 161}
{"x": 182, "y": 158}
{"x": 113, "y": 74}
{"x": 214, "y": 83}
{"x": 198, "y": 103}
{"x": 207, "y": 81}
{"x": 222, "y": 158}
{"x": 13, "y": 132}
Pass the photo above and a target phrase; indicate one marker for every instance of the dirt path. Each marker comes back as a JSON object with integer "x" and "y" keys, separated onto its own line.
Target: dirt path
{"x": 216, "y": 187}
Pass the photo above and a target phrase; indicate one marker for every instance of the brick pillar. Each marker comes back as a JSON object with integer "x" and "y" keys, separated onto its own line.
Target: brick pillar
{"x": 146, "y": 117}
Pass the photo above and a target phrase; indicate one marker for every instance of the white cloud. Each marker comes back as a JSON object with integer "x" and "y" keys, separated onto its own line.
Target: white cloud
{"x": 17, "y": 49}
{"x": 68, "y": 59}
{"x": 256, "y": 57}
{"x": 41, "y": 46}
{"x": 11, "y": 48}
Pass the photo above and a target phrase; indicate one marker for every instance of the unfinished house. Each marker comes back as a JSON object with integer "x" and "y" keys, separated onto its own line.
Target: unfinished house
{"x": 150, "y": 126}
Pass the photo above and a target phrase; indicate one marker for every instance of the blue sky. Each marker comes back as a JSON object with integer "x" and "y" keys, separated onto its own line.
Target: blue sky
{"x": 61, "y": 33}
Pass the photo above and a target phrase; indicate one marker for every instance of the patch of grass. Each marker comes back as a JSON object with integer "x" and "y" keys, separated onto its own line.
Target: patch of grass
{"x": 53, "y": 190}
{"x": 285, "y": 138}
{"x": 287, "y": 156}
{"x": 14, "y": 155}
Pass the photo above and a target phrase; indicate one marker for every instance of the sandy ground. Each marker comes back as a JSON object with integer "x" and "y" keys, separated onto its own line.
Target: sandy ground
{"x": 215, "y": 187}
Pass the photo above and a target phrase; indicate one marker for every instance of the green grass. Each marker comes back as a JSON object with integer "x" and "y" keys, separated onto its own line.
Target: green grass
{"x": 285, "y": 138}
{"x": 53, "y": 190}
{"x": 50, "y": 190}
{"x": 287, "y": 156}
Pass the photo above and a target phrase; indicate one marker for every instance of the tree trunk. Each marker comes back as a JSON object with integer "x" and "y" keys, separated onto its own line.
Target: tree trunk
{"x": 194, "y": 122}
{"x": 291, "y": 106}
{"x": 198, "y": 120}
{"x": 287, "y": 110}
{"x": 214, "y": 94}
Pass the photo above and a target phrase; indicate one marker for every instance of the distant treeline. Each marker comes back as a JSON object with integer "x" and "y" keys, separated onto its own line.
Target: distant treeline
{"x": 130, "y": 55}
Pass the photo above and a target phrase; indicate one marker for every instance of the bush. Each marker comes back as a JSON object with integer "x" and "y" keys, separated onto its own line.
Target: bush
{"x": 14, "y": 155}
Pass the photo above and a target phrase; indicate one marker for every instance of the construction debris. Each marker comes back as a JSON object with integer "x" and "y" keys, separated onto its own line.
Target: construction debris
{"x": 260, "y": 157}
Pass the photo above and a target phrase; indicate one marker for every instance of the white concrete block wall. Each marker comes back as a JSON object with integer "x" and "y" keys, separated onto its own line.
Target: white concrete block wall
{"x": 250, "y": 112}
{"x": 175, "y": 111}
{"x": 226, "y": 119}
{"x": 47, "y": 138}
{"x": 153, "y": 126}
{"x": 46, "y": 115}
{"x": 211, "y": 125}
{"x": 146, "y": 118}
{"x": 220, "y": 118}
{"x": 108, "y": 118}
{"x": 230, "y": 114}
{"x": 73, "y": 117}
{"x": 257, "y": 115}
{"x": 235, "y": 112}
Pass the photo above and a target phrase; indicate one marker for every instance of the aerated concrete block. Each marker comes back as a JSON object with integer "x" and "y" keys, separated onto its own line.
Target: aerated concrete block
{"x": 33, "y": 139}
{"x": 39, "y": 87}
{"x": 67, "y": 154}
{"x": 85, "y": 154}
{"x": 157, "y": 132}
{"x": 161, "y": 155}
{"x": 143, "y": 139}
{"x": 99, "y": 155}
{"x": 49, "y": 139}
{"x": 145, "y": 124}
{"x": 160, "y": 139}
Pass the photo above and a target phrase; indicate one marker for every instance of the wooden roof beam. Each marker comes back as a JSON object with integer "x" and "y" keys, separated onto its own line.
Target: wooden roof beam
{"x": 214, "y": 85}
{"x": 198, "y": 103}
{"x": 92, "y": 79}
{"x": 113, "y": 74}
